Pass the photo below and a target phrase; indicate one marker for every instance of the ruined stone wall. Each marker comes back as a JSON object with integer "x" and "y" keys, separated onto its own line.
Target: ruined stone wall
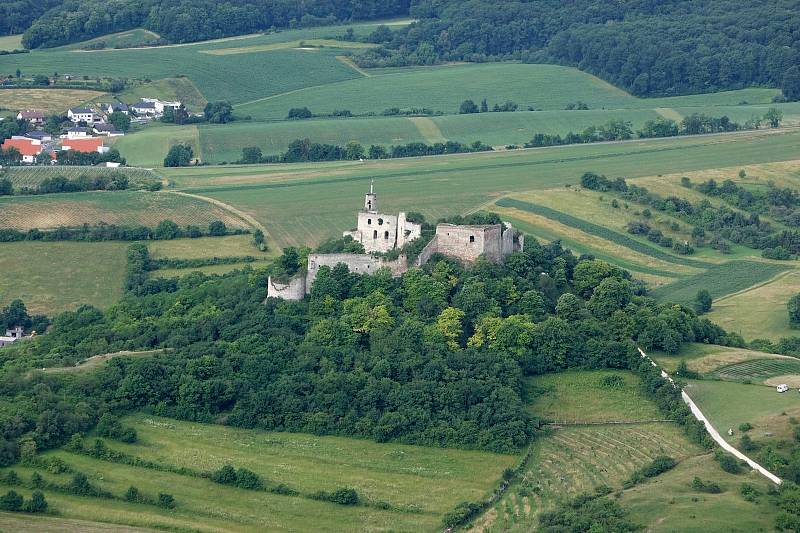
{"x": 357, "y": 263}
{"x": 378, "y": 232}
{"x": 295, "y": 289}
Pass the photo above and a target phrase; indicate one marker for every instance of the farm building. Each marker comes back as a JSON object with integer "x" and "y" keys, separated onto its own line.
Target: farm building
{"x": 29, "y": 149}
{"x": 85, "y": 145}
{"x": 379, "y": 232}
{"x": 34, "y": 117}
{"x": 12, "y": 336}
{"x": 82, "y": 114}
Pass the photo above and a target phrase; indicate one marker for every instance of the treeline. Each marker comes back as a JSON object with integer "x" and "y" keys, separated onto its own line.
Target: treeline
{"x": 16, "y": 16}
{"x": 650, "y": 48}
{"x": 16, "y": 314}
{"x": 435, "y": 357}
{"x": 194, "y": 20}
{"x": 711, "y": 225}
{"x": 165, "y": 230}
{"x": 303, "y": 150}
{"x": 622, "y": 130}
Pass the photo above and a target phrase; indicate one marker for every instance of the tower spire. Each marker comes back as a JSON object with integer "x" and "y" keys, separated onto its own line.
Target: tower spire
{"x": 371, "y": 199}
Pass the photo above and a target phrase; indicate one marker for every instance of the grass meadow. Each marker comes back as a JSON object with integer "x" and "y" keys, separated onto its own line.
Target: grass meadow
{"x": 117, "y": 207}
{"x": 418, "y": 484}
{"x": 10, "y": 42}
{"x": 53, "y": 276}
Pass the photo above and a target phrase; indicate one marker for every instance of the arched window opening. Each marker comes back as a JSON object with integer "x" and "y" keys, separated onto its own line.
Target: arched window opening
{"x": 386, "y": 235}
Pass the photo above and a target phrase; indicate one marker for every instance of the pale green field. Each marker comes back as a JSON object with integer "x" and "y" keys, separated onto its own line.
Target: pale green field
{"x": 420, "y": 483}
{"x": 205, "y": 247}
{"x": 53, "y": 276}
{"x": 149, "y": 147}
{"x": 11, "y": 42}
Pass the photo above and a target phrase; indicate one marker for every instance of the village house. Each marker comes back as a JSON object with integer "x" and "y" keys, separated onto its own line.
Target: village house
{"x": 116, "y": 107}
{"x": 107, "y": 129}
{"x": 153, "y": 107}
{"x": 34, "y": 117}
{"x": 28, "y": 148}
{"x": 76, "y": 133}
{"x": 39, "y": 136}
{"x": 82, "y": 114}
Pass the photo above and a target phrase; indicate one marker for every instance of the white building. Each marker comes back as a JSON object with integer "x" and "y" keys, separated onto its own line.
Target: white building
{"x": 153, "y": 107}
{"x": 81, "y": 114}
{"x": 11, "y": 336}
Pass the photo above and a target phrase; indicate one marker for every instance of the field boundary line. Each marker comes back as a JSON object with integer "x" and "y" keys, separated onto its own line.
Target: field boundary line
{"x": 758, "y": 285}
{"x": 608, "y": 422}
{"x": 349, "y": 62}
{"x": 698, "y": 414}
{"x": 227, "y": 207}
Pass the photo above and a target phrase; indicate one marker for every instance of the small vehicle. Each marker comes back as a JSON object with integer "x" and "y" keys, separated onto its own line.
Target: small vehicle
{"x": 783, "y": 387}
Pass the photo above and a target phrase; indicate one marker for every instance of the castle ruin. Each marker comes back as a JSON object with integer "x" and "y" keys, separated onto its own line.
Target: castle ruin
{"x": 379, "y": 232}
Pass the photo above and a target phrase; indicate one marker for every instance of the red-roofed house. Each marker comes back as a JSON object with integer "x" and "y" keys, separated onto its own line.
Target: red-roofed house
{"x": 85, "y": 145}
{"x": 29, "y": 148}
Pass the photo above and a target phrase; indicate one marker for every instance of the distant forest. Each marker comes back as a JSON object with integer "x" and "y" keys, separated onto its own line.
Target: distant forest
{"x": 194, "y": 20}
{"x": 646, "y": 46}
{"x": 649, "y": 47}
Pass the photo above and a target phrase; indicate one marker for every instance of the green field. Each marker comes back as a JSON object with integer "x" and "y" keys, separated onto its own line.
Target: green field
{"x": 118, "y": 207}
{"x": 31, "y": 176}
{"x": 758, "y": 369}
{"x": 123, "y": 39}
{"x": 11, "y": 42}
{"x": 727, "y": 404}
{"x": 766, "y": 315}
{"x": 418, "y": 484}
{"x": 148, "y": 148}
{"x": 53, "y": 276}
{"x": 579, "y": 396}
{"x": 331, "y": 193}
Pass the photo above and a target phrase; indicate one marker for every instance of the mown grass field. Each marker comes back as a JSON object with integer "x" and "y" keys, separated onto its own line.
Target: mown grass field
{"x": 766, "y": 316}
{"x": 123, "y": 39}
{"x": 47, "y": 100}
{"x": 727, "y": 404}
{"x": 54, "y": 276}
{"x": 118, "y": 207}
{"x": 205, "y": 247}
{"x": 148, "y": 148}
{"x": 760, "y": 369}
{"x": 705, "y": 358}
{"x": 421, "y": 484}
{"x": 305, "y": 204}
{"x": 31, "y": 176}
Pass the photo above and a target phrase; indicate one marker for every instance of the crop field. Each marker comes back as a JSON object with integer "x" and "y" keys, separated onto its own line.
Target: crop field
{"x": 31, "y": 176}
{"x": 238, "y": 78}
{"x": 331, "y": 193}
{"x": 47, "y": 100}
{"x": 706, "y": 358}
{"x": 727, "y": 404}
{"x": 51, "y": 277}
{"x": 759, "y": 370}
{"x": 766, "y": 316}
{"x": 417, "y": 484}
{"x": 118, "y": 207}
{"x": 205, "y": 247}
{"x": 719, "y": 280}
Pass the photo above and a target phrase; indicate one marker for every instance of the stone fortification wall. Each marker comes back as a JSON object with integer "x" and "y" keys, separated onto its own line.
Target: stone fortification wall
{"x": 357, "y": 263}
{"x": 294, "y": 289}
{"x": 467, "y": 243}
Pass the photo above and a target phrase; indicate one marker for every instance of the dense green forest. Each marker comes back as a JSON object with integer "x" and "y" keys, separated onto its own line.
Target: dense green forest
{"x": 16, "y": 16}
{"x": 650, "y": 48}
{"x": 195, "y": 20}
{"x": 435, "y": 357}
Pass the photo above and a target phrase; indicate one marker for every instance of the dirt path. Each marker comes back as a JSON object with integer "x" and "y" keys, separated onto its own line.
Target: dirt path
{"x": 428, "y": 129}
{"x": 349, "y": 62}
{"x": 227, "y": 207}
{"x": 97, "y": 360}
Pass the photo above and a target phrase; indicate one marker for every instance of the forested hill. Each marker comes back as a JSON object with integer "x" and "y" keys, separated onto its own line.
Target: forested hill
{"x": 17, "y": 15}
{"x": 194, "y": 20}
{"x": 649, "y": 47}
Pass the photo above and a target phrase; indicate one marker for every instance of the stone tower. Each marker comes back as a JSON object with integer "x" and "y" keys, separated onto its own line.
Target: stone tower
{"x": 371, "y": 199}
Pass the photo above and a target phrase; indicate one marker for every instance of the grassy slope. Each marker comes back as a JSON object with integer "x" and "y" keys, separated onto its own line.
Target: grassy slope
{"x": 11, "y": 42}
{"x": 573, "y": 460}
{"x": 53, "y": 276}
{"x": 432, "y": 479}
{"x": 180, "y": 89}
{"x": 706, "y": 358}
{"x": 148, "y": 149}
{"x": 123, "y": 39}
{"x": 766, "y": 315}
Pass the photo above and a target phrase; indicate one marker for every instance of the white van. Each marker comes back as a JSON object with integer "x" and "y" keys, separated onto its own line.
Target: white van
{"x": 783, "y": 387}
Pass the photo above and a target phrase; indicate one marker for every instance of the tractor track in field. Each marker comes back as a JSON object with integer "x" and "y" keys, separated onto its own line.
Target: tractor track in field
{"x": 250, "y": 220}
